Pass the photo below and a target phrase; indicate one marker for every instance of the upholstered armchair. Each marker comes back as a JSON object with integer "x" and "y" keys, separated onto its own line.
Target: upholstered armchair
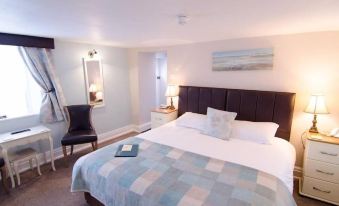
{"x": 3, "y": 174}
{"x": 80, "y": 128}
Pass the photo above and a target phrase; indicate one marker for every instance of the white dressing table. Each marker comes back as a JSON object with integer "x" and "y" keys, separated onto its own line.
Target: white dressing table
{"x": 7, "y": 140}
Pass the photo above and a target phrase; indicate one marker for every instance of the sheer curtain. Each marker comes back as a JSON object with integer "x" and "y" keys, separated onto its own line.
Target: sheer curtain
{"x": 38, "y": 61}
{"x": 20, "y": 94}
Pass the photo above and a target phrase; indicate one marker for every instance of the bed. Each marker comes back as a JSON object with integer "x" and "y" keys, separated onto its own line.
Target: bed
{"x": 182, "y": 166}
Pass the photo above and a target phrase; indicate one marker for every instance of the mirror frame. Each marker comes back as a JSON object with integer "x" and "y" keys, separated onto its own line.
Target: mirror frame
{"x": 87, "y": 86}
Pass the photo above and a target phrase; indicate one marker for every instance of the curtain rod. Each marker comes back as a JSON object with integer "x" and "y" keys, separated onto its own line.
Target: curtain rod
{"x": 26, "y": 41}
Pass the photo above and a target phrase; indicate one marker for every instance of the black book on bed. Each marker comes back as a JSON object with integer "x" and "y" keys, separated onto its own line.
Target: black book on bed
{"x": 127, "y": 150}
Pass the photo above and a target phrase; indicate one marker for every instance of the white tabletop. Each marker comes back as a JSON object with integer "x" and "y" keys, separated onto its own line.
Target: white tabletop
{"x": 8, "y": 137}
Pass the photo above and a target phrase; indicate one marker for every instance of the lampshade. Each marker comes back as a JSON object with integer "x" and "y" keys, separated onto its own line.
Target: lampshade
{"x": 317, "y": 105}
{"x": 93, "y": 88}
{"x": 172, "y": 91}
{"x": 99, "y": 95}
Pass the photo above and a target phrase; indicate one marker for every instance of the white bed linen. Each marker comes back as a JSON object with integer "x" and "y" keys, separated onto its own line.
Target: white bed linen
{"x": 277, "y": 159}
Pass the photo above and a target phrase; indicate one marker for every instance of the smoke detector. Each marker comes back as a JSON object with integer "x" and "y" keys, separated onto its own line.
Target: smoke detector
{"x": 182, "y": 19}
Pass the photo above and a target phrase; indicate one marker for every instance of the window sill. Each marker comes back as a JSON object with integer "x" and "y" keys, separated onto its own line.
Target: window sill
{"x": 17, "y": 118}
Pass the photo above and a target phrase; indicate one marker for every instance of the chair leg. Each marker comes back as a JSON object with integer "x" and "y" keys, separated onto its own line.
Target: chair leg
{"x": 31, "y": 164}
{"x": 17, "y": 173}
{"x": 64, "y": 150}
{"x": 4, "y": 179}
{"x": 95, "y": 145}
{"x": 72, "y": 147}
{"x": 37, "y": 164}
{"x": 12, "y": 168}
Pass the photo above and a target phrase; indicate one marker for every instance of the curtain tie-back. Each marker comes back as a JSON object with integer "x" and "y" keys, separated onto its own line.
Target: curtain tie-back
{"x": 51, "y": 90}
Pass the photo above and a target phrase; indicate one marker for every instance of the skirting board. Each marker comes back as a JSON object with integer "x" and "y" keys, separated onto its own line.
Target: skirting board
{"x": 58, "y": 154}
{"x": 142, "y": 127}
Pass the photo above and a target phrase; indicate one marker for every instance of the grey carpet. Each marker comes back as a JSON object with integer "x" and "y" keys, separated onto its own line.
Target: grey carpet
{"x": 53, "y": 188}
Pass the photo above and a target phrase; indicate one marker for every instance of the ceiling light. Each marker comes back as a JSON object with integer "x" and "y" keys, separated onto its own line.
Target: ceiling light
{"x": 182, "y": 19}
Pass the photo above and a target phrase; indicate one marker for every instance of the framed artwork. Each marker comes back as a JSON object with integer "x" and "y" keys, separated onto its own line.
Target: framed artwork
{"x": 252, "y": 59}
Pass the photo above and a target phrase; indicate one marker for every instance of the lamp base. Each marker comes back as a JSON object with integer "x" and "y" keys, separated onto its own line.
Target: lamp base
{"x": 172, "y": 106}
{"x": 314, "y": 128}
{"x": 92, "y": 96}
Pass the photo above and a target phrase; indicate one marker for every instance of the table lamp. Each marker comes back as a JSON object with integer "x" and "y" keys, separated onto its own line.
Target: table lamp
{"x": 92, "y": 92}
{"x": 172, "y": 91}
{"x": 316, "y": 106}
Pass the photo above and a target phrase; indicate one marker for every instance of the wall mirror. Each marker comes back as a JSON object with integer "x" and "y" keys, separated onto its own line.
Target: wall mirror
{"x": 94, "y": 81}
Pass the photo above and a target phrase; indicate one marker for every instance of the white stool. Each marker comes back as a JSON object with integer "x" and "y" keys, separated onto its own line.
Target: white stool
{"x": 24, "y": 155}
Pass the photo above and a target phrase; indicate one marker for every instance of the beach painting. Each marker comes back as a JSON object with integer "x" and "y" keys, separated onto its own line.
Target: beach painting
{"x": 252, "y": 59}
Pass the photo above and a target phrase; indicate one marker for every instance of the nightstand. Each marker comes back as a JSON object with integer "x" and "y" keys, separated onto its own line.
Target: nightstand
{"x": 321, "y": 168}
{"x": 162, "y": 116}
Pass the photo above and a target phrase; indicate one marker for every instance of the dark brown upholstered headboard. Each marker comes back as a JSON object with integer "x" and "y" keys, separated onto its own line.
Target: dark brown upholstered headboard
{"x": 250, "y": 105}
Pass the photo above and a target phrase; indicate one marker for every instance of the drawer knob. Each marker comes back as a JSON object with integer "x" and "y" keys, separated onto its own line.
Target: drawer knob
{"x": 330, "y": 154}
{"x": 326, "y": 173}
{"x": 323, "y": 191}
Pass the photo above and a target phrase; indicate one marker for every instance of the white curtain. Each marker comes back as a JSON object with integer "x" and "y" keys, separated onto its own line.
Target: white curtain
{"x": 39, "y": 63}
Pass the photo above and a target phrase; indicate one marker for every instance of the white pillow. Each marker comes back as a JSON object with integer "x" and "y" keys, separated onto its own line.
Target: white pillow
{"x": 192, "y": 120}
{"x": 260, "y": 132}
{"x": 219, "y": 123}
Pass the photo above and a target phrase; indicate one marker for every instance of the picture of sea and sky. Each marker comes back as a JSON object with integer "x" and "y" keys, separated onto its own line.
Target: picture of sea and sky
{"x": 253, "y": 59}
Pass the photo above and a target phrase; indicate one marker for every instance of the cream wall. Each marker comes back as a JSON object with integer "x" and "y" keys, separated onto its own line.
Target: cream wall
{"x": 303, "y": 63}
{"x": 67, "y": 57}
{"x": 147, "y": 85}
{"x": 116, "y": 113}
{"x": 142, "y": 85}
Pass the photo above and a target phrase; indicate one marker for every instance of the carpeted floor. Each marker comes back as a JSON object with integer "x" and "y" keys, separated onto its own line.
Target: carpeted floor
{"x": 53, "y": 188}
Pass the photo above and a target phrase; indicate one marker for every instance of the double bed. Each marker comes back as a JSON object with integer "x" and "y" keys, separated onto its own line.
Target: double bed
{"x": 181, "y": 166}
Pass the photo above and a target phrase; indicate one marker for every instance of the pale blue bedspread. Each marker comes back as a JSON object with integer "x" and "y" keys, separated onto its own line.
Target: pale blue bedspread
{"x": 165, "y": 176}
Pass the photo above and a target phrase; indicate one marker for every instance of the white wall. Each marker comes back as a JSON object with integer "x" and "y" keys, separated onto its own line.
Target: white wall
{"x": 143, "y": 65}
{"x": 147, "y": 88}
{"x": 303, "y": 63}
{"x": 161, "y": 84}
{"x": 68, "y": 63}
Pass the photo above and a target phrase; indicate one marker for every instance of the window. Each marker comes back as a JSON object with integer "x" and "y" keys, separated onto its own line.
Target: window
{"x": 20, "y": 95}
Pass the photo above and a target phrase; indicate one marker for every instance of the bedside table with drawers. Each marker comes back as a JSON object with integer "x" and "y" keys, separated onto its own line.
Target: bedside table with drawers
{"x": 321, "y": 168}
{"x": 162, "y": 116}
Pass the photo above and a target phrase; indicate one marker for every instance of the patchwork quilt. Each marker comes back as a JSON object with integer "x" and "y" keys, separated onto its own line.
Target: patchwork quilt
{"x": 165, "y": 176}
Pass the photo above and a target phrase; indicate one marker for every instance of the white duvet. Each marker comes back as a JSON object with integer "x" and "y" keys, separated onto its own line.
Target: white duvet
{"x": 277, "y": 159}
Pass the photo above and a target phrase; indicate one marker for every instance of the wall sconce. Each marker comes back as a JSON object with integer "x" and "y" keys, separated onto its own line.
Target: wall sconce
{"x": 92, "y": 53}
